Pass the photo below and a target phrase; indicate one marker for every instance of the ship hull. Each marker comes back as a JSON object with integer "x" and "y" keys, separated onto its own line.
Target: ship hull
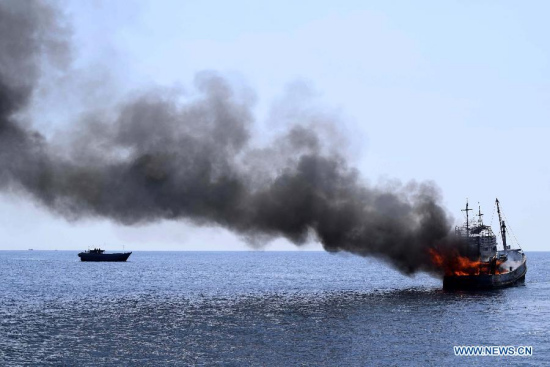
{"x": 486, "y": 281}
{"x": 85, "y": 256}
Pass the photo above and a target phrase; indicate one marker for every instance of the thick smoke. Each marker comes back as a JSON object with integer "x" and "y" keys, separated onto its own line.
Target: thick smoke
{"x": 160, "y": 156}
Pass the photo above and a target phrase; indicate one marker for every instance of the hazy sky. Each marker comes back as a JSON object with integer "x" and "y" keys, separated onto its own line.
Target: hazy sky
{"x": 456, "y": 92}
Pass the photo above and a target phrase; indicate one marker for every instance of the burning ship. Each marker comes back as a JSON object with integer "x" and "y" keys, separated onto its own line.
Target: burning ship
{"x": 484, "y": 266}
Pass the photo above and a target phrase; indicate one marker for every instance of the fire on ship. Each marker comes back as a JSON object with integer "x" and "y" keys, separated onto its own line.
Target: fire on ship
{"x": 484, "y": 266}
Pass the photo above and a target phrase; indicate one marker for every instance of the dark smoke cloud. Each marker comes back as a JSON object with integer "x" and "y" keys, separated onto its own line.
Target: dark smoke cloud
{"x": 160, "y": 156}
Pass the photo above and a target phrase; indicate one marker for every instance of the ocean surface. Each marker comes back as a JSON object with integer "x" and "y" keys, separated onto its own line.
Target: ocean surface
{"x": 257, "y": 309}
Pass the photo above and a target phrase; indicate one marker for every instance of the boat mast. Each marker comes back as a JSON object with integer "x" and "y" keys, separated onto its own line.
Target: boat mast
{"x": 480, "y": 215}
{"x": 467, "y": 219}
{"x": 502, "y": 227}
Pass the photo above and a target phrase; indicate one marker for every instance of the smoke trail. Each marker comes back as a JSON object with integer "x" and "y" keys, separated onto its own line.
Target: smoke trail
{"x": 156, "y": 157}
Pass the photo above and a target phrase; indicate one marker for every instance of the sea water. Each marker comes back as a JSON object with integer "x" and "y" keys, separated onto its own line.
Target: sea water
{"x": 259, "y": 309}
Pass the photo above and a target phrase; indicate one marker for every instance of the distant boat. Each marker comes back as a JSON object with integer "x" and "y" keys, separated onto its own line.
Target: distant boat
{"x": 98, "y": 254}
{"x": 486, "y": 266}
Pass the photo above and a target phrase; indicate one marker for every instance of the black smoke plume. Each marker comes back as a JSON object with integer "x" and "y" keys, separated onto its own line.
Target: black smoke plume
{"x": 160, "y": 156}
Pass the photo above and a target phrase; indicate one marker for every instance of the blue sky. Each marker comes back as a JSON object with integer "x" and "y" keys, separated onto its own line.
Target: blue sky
{"x": 456, "y": 92}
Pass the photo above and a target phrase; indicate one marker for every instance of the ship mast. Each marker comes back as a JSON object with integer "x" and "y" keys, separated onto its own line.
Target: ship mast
{"x": 480, "y": 215}
{"x": 502, "y": 227}
{"x": 467, "y": 219}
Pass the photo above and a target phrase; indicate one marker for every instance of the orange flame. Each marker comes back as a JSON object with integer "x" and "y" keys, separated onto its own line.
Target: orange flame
{"x": 454, "y": 264}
